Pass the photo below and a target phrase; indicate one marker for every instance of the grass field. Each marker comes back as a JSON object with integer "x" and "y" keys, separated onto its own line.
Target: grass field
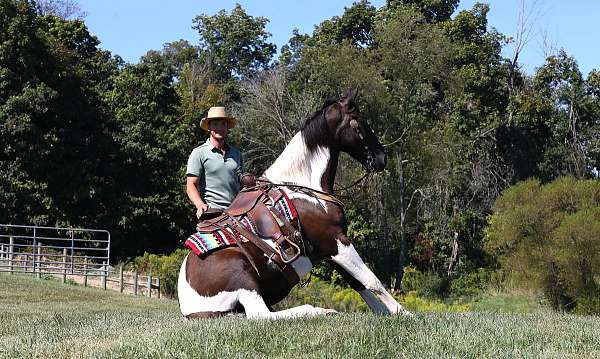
{"x": 47, "y": 319}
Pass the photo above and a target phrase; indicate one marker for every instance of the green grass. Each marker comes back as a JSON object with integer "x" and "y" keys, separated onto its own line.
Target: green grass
{"x": 47, "y": 319}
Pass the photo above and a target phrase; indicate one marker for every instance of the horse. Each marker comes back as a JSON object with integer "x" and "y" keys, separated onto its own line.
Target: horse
{"x": 239, "y": 279}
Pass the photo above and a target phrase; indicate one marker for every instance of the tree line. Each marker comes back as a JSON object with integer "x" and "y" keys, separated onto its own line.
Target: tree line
{"x": 90, "y": 140}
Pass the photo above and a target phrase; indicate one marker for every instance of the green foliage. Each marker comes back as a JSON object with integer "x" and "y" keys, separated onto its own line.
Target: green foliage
{"x": 322, "y": 293}
{"x": 235, "y": 42}
{"x": 413, "y": 302}
{"x": 428, "y": 285}
{"x": 53, "y": 124}
{"x": 166, "y": 267}
{"x": 354, "y": 26}
{"x": 432, "y": 10}
{"x": 470, "y": 284}
{"x": 548, "y": 235}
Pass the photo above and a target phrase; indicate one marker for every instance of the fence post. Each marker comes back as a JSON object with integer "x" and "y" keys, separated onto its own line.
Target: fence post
{"x": 64, "y": 276}
{"x": 10, "y": 254}
{"x": 33, "y": 258}
{"x": 72, "y": 250}
{"x": 135, "y": 283}
{"x": 150, "y": 285}
{"x": 85, "y": 271}
{"x": 121, "y": 279}
{"x": 158, "y": 286}
{"x": 104, "y": 272}
{"x": 39, "y": 260}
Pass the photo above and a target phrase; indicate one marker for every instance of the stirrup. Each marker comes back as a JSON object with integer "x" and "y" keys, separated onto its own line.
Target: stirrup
{"x": 283, "y": 254}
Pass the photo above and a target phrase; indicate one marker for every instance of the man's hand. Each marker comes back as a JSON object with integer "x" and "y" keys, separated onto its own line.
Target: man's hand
{"x": 201, "y": 209}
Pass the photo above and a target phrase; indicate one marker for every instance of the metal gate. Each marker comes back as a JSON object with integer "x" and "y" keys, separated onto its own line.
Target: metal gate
{"x": 54, "y": 250}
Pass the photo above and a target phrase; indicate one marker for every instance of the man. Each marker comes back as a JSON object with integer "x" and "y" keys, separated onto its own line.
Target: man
{"x": 214, "y": 168}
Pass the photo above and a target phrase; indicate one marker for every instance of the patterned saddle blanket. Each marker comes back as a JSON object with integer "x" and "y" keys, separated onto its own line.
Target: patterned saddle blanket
{"x": 203, "y": 242}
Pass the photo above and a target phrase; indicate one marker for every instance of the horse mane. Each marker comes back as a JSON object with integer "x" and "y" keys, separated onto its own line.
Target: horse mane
{"x": 314, "y": 130}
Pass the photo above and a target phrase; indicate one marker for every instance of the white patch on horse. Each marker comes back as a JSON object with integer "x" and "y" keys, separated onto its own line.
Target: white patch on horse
{"x": 255, "y": 307}
{"x": 192, "y": 302}
{"x": 350, "y": 260}
{"x": 299, "y": 165}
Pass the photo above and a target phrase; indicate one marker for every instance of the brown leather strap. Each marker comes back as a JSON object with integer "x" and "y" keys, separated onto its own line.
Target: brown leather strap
{"x": 287, "y": 270}
{"x": 328, "y": 197}
{"x": 244, "y": 251}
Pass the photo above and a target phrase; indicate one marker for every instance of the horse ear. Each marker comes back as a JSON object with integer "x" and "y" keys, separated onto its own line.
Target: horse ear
{"x": 350, "y": 95}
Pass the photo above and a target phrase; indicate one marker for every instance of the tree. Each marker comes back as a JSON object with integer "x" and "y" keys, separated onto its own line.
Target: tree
{"x": 355, "y": 26}
{"x": 65, "y": 9}
{"x": 272, "y": 114}
{"x": 563, "y": 93}
{"x": 432, "y": 10}
{"x": 236, "y": 43}
{"x": 150, "y": 207}
{"x": 546, "y": 235}
{"x": 53, "y": 131}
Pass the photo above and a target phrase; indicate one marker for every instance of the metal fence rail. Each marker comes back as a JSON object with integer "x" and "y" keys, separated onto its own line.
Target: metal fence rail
{"x": 74, "y": 253}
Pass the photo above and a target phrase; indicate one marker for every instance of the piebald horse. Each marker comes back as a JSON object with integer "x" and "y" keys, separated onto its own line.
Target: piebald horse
{"x": 226, "y": 281}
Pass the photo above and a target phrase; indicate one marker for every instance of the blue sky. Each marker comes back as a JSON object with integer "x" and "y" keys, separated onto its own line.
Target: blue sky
{"x": 129, "y": 28}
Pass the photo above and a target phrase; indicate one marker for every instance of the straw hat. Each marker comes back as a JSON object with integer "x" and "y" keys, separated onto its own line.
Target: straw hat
{"x": 216, "y": 113}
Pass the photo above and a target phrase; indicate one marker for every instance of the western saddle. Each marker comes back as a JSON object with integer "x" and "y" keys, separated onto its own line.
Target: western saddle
{"x": 272, "y": 232}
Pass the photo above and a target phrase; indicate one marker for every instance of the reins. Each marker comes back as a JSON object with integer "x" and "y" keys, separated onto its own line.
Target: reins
{"x": 328, "y": 197}
{"x": 358, "y": 181}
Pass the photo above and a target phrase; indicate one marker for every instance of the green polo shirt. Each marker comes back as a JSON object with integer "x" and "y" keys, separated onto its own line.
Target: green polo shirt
{"x": 219, "y": 173}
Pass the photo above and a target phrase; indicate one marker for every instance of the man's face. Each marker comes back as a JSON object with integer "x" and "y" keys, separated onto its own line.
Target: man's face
{"x": 218, "y": 128}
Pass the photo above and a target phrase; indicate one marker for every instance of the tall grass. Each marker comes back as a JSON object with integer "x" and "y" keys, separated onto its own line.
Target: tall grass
{"x": 47, "y": 319}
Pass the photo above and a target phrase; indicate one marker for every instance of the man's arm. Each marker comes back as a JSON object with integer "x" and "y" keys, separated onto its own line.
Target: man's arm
{"x": 191, "y": 188}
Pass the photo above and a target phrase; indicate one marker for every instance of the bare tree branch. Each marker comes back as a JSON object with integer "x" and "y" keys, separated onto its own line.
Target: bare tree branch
{"x": 66, "y": 9}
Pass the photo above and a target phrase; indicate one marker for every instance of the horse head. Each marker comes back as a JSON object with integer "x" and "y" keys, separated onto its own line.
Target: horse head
{"x": 351, "y": 133}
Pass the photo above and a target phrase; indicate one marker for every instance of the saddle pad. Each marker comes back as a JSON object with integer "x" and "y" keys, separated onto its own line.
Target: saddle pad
{"x": 201, "y": 242}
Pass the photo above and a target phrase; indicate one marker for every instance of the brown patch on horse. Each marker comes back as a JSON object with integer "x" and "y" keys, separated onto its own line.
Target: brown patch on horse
{"x": 224, "y": 270}
{"x": 320, "y": 226}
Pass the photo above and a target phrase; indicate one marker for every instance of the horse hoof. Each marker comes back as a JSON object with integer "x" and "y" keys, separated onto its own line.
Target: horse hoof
{"x": 330, "y": 312}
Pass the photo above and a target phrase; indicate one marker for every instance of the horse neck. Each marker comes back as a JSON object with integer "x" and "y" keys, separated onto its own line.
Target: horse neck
{"x": 314, "y": 168}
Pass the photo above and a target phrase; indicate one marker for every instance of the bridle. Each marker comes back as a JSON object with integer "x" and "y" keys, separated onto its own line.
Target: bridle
{"x": 357, "y": 129}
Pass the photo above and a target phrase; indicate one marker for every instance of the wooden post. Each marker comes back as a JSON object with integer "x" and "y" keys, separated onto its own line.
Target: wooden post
{"x": 33, "y": 258}
{"x": 64, "y": 276}
{"x": 135, "y": 282}
{"x": 10, "y": 254}
{"x": 104, "y": 272}
{"x": 158, "y": 286}
{"x": 38, "y": 259}
{"x": 85, "y": 271}
{"x": 121, "y": 279}
{"x": 149, "y": 286}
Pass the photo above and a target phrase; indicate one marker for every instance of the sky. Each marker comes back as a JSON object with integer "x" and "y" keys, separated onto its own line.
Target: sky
{"x": 130, "y": 28}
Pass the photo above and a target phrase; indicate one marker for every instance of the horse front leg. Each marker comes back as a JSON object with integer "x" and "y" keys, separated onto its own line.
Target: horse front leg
{"x": 255, "y": 307}
{"x": 363, "y": 280}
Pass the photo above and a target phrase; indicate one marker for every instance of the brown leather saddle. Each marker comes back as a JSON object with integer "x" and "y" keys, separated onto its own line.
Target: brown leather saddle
{"x": 257, "y": 206}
